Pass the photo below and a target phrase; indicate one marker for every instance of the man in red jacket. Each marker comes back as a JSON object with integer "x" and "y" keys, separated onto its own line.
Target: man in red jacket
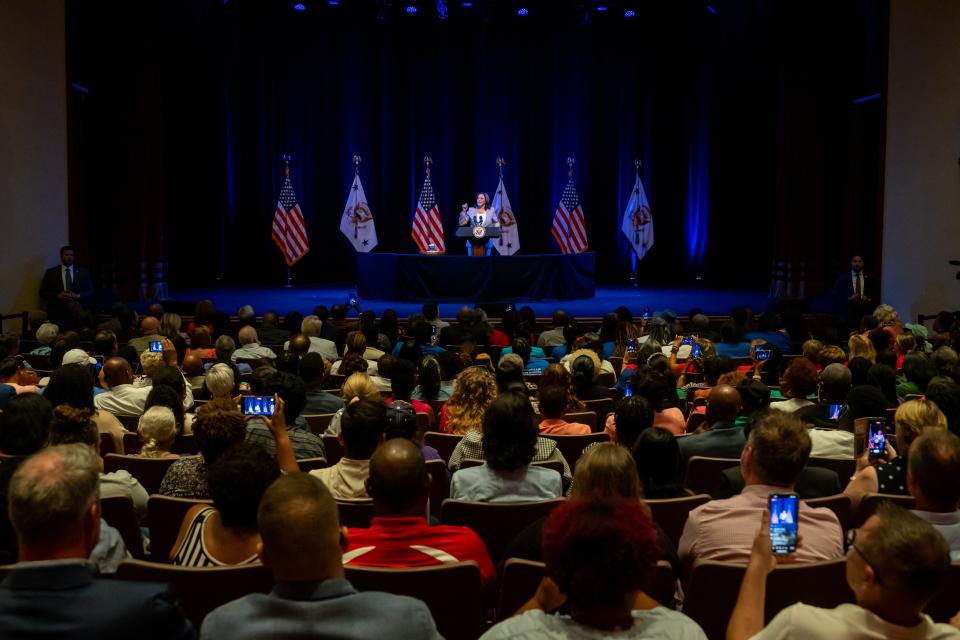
{"x": 399, "y": 536}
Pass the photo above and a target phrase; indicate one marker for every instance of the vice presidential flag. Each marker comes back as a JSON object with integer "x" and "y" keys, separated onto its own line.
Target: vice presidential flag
{"x": 509, "y": 241}
{"x": 289, "y": 230}
{"x": 357, "y": 220}
{"x": 569, "y": 229}
{"x": 427, "y": 228}
{"x": 637, "y": 222}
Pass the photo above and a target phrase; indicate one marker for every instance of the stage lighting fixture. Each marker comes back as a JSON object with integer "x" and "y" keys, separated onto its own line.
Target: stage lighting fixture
{"x": 333, "y": 3}
{"x": 523, "y": 11}
{"x": 601, "y": 7}
{"x": 441, "y": 9}
{"x": 711, "y": 9}
{"x": 629, "y": 13}
{"x": 466, "y": 5}
{"x": 299, "y": 7}
{"x": 411, "y": 9}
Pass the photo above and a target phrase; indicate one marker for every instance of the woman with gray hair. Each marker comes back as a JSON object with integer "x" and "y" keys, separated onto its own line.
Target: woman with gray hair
{"x": 219, "y": 381}
{"x": 46, "y": 334}
{"x": 157, "y": 429}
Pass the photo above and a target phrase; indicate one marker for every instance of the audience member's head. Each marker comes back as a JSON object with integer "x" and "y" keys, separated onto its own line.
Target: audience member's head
{"x": 300, "y": 344}
{"x": 811, "y": 350}
{"x": 510, "y": 373}
{"x": 53, "y": 503}
{"x": 157, "y": 429}
{"x": 352, "y": 363}
{"x": 359, "y": 386}
{"x": 656, "y": 455}
{"x": 310, "y": 327}
{"x": 149, "y": 361}
{"x": 403, "y": 379}
{"x": 216, "y": 429}
{"x": 25, "y": 424}
{"x": 73, "y": 426}
{"x": 219, "y": 381}
{"x": 237, "y": 481}
{"x": 474, "y": 391}
{"x": 192, "y": 366}
{"x": 291, "y": 390}
{"x": 248, "y": 335}
{"x": 933, "y": 471}
{"x": 606, "y": 471}
{"x": 150, "y": 326}
{"x": 509, "y": 433}
{"x": 313, "y": 370}
{"x": 47, "y": 333}
{"x": 71, "y": 384}
{"x": 361, "y": 427}
{"x": 835, "y": 384}
{"x": 632, "y": 416}
{"x": 777, "y": 450}
{"x": 945, "y": 393}
{"x": 600, "y": 553}
{"x": 398, "y": 483}
{"x": 918, "y": 369}
{"x": 723, "y": 404}
{"x": 584, "y": 370}
{"x": 105, "y": 343}
{"x": 429, "y": 377}
{"x": 754, "y": 396}
{"x": 800, "y": 379}
{"x": 911, "y": 418}
{"x": 553, "y": 401}
{"x": 224, "y": 348}
{"x": 831, "y": 354}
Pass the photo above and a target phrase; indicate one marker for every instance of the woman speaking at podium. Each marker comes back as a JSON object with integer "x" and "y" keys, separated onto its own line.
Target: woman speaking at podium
{"x": 480, "y": 216}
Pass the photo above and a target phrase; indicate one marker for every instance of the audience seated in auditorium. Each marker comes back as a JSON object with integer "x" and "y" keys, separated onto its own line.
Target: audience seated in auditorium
{"x": 657, "y": 458}
{"x": 554, "y": 337}
{"x": 362, "y": 427}
{"x": 226, "y": 533}
{"x": 508, "y": 444}
{"x": 531, "y": 365}
{"x": 553, "y": 405}
{"x": 585, "y": 371}
{"x": 193, "y": 373}
{"x": 313, "y": 372}
{"x": 359, "y": 386}
{"x": 377, "y": 342}
{"x": 945, "y": 393}
{"x": 658, "y": 388}
{"x": 310, "y": 328}
{"x": 916, "y": 374}
{"x": 770, "y": 329}
{"x": 220, "y": 382}
{"x": 200, "y": 344}
{"x": 888, "y": 474}
{"x": 399, "y": 535}
{"x": 55, "y": 511}
{"x": 46, "y": 334}
{"x": 250, "y": 347}
{"x": 149, "y": 332}
{"x": 219, "y": 426}
{"x": 725, "y": 438}
{"x": 356, "y": 345}
{"x": 303, "y": 543}
{"x": 599, "y": 555}
{"x": 933, "y": 477}
{"x": 774, "y": 456}
{"x": 798, "y": 381}
{"x": 630, "y": 416}
{"x": 829, "y": 439}
{"x": 121, "y": 397}
{"x": 293, "y": 392}
{"x": 163, "y": 395}
{"x": 465, "y": 328}
{"x": 269, "y": 332}
{"x": 157, "y": 429}
{"x": 896, "y": 563}
{"x": 225, "y": 346}
{"x": 430, "y": 386}
{"x": 403, "y": 380}
{"x": 475, "y": 388}
{"x": 72, "y": 385}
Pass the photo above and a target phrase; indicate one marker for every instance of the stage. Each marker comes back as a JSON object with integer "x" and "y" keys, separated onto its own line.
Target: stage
{"x": 304, "y": 298}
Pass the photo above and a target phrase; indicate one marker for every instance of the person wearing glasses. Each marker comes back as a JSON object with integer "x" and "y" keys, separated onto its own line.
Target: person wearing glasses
{"x": 896, "y": 562}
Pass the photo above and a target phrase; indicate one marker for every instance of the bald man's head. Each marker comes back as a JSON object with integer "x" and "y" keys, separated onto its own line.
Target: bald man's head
{"x": 723, "y": 404}
{"x": 117, "y": 371}
{"x": 465, "y": 315}
{"x": 149, "y": 326}
{"x": 399, "y": 483}
{"x": 300, "y": 344}
{"x": 300, "y": 530}
{"x": 192, "y": 366}
{"x": 248, "y": 335}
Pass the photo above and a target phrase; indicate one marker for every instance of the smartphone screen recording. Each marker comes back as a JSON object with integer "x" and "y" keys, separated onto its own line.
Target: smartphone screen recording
{"x": 761, "y": 354}
{"x": 156, "y": 346}
{"x": 876, "y": 438}
{"x": 784, "y": 512}
{"x": 257, "y": 405}
{"x": 835, "y": 410}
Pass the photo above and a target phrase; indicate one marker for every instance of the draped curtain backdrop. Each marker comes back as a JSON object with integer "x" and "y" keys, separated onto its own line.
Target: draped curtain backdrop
{"x": 741, "y": 116}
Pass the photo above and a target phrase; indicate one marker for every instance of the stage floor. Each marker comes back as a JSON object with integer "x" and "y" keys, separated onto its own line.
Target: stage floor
{"x": 608, "y": 297}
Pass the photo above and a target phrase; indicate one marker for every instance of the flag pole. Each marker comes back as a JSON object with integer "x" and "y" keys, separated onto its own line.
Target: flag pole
{"x": 286, "y": 174}
{"x": 633, "y": 254}
{"x": 500, "y": 163}
{"x": 427, "y": 161}
{"x": 356, "y": 172}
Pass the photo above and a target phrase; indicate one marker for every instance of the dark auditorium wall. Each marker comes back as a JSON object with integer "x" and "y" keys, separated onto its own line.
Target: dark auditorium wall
{"x": 922, "y": 200}
{"x": 754, "y": 153}
{"x": 33, "y": 146}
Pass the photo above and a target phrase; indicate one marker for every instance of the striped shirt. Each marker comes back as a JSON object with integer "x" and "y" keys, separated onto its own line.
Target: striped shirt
{"x": 193, "y": 552}
{"x": 471, "y": 446}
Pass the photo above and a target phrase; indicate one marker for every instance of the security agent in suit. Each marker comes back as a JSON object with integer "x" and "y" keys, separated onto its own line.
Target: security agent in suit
{"x": 858, "y": 291}
{"x": 480, "y": 216}
{"x": 55, "y": 510}
{"x": 66, "y": 289}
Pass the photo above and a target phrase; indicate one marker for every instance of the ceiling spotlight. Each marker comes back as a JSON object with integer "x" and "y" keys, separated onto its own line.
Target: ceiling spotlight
{"x": 523, "y": 11}
{"x": 601, "y": 7}
{"x": 629, "y": 13}
{"x": 333, "y": 3}
{"x": 711, "y": 9}
{"x": 299, "y": 7}
{"x": 466, "y": 5}
{"x": 411, "y": 9}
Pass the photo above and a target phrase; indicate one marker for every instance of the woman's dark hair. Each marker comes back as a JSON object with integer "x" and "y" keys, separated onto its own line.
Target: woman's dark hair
{"x": 918, "y": 369}
{"x": 200, "y": 338}
{"x": 216, "y": 429}
{"x": 508, "y": 324}
{"x": 623, "y": 314}
{"x": 521, "y": 347}
{"x": 169, "y": 376}
{"x": 403, "y": 378}
{"x": 657, "y": 455}
{"x": 292, "y": 322}
{"x": 429, "y": 377}
{"x": 410, "y": 351}
{"x": 237, "y": 481}
{"x": 608, "y": 327}
{"x": 859, "y": 371}
{"x": 164, "y": 396}
{"x": 945, "y": 393}
{"x": 599, "y": 550}
{"x": 368, "y": 327}
{"x": 73, "y": 426}
{"x": 352, "y": 363}
{"x": 730, "y": 333}
{"x": 656, "y": 387}
{"x": 570, "y": 334}
{"x": 510, "y": 377}
{"x": 25, "y": 424}
{"x": 389, "y": 324}
{"x": 509, "y": 433}
{"x": 362, "y": 425}
{"x": 71, "y": 385}
{"x": 583, "y": 372}
{"x": 450, "y": 365}
{"x": 884, "y": 377}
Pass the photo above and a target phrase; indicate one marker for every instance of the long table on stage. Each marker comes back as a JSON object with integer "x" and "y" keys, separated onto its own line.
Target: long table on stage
{"x": 398, "y": 276}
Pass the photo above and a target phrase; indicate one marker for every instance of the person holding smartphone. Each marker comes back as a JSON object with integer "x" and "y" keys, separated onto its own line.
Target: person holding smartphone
{"x": 776, "y": 453}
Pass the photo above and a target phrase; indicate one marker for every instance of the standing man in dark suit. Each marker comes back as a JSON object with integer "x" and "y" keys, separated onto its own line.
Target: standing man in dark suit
{"x": 54, "y": 507}
{"x": 66, "y": 289}
{"x": 858, "y": 290}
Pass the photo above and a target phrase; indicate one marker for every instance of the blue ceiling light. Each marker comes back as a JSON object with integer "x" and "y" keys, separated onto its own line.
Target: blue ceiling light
{"x": 299, "y": 7}
{"x": 711, "y": 9}
{"x": 523, "y": 11}
{"x": 629, "y": 13}
{"x": 601, "y": 7}
{"x": 466, "y": 5}
{"x": 333, "y": 3}
{"x": 411, "y": 9}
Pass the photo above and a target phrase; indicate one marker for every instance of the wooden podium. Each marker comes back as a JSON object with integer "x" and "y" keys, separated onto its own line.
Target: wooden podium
{"x": 478, "y": 236}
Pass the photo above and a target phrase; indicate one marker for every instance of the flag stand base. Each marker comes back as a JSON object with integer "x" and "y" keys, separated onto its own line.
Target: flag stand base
{"x": 633, "y": 279}
{"x": 289, "y": 284}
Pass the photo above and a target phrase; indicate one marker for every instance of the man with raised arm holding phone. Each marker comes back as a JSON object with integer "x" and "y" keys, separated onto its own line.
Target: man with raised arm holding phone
{"x": 895, "y": 564}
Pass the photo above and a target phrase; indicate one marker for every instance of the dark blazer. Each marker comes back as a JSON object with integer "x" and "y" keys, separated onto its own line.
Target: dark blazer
{"x": 723, "y": 440}
{"x": 65, "y": 601}
{"x": 334, "y": 334}
{"x": 814, "y": 482}
{"x": 272, "y": 335}
{"x": 52, "y": 285}
{"x": 843, "y": 286}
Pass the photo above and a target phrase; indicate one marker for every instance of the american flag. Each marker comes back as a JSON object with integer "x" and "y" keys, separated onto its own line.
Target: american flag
{"x": 289, "y": 230}
{"x": 568, "y": 228}
{"x": 427, "y": 228}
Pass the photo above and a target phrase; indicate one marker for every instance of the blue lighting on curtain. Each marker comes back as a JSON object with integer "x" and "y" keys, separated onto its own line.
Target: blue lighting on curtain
{"x": 698, "y": 188}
